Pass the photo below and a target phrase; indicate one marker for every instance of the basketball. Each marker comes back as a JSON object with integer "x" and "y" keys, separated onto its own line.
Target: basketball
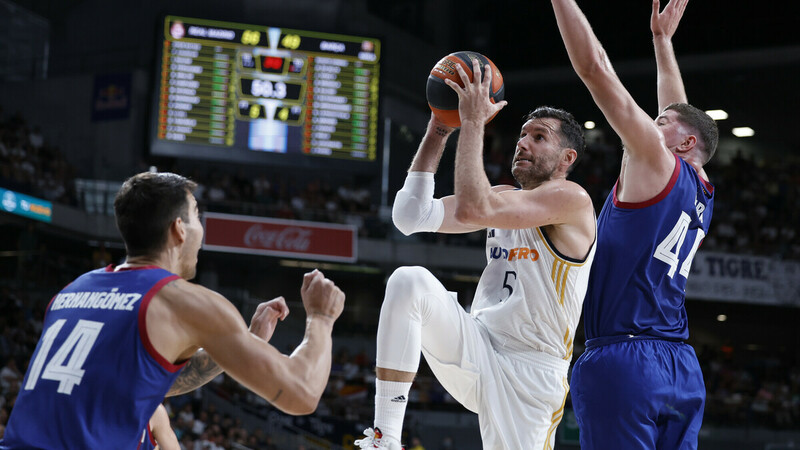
{"x": 443, "y": 100}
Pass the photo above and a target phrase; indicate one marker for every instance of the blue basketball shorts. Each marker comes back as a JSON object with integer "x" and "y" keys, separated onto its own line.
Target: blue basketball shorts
{"x": 638, "y": 394}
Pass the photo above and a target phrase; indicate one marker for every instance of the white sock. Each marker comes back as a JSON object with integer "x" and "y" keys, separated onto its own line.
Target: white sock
{"x": 391, "y": 398}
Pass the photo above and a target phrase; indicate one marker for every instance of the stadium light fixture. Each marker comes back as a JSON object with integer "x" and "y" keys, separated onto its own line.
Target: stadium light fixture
{"x": 717, "y": 114}
{"x": 743, "y": 132}
{"x": 589, "y": 125}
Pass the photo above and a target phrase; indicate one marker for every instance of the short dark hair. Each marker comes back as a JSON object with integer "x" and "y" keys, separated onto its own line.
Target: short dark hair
{"x": 702, "y": 124}
{"x": 571, "y": 131}
{"x": 146, "y": 205}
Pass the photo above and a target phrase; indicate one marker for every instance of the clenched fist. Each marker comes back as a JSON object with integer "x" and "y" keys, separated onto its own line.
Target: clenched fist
{"x": 321, "y": 296}
{"x": 266, "y": 317}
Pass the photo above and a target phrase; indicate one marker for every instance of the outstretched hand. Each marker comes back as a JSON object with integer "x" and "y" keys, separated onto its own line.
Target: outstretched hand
{"x": 665, "y": 23}
{"x": 474, "y": 102}
{"x": 266, "y": 317}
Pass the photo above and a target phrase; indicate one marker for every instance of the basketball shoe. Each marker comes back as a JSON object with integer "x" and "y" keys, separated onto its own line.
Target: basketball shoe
{"x": 375, "y": 439}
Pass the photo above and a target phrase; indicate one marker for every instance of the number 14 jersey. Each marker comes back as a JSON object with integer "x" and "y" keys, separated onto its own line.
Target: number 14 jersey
{"x": 644, "y": 256}
{"x": 529, "y": 296}
{"x": 94, "y": 379}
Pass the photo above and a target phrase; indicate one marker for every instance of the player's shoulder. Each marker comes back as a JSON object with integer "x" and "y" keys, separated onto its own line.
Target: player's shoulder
{"x": 196, "y": 305}
{"x": 182, "y": 292}
{"x": 572, "y": 186}
{"x": 651, "y": 167}
{"x": 504, "y": 187}
{"x": 558, "y": 191}
{"x": 569, "y": 192}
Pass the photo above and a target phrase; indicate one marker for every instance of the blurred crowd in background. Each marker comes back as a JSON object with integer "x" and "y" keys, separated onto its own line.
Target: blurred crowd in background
{"x": 757, "y": 212}
{"x": 757, "y": 202}
{"x": 741, "y": 392}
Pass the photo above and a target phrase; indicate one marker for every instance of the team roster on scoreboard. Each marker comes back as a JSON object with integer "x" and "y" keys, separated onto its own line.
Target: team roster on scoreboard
{"x": 267, "y": 89}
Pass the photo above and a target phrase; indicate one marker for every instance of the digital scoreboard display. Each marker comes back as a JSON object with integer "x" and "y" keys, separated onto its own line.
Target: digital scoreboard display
{"x": 253, "y": 93}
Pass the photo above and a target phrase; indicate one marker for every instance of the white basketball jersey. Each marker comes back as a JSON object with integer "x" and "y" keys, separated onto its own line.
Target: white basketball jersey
{"x": 530, "y": 296}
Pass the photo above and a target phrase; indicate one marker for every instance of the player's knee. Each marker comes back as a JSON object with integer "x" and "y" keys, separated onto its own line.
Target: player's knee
{"x": 405, "y": 280}
{"x": 405, "y": 285}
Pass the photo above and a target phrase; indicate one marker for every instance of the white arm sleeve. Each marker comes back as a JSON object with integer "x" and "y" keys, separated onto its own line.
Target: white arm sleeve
{"x": 414, "y": 208}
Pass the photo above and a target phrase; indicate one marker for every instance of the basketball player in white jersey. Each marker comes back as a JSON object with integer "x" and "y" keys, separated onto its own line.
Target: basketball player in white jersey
{"x": 507, "y": 360}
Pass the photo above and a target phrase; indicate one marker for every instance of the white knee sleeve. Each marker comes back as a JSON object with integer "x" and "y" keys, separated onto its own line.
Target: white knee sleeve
{"x": 414, "y": 208}
{"x": 400, "y": 326}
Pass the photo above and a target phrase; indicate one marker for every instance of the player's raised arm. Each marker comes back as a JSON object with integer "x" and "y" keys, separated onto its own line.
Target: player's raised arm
{"x": 663, "y": 25}
{"x": 201, "y": 368}
{"x": 415, "y": 209}
{"x": 432, "y": 146}
{"x": 294, "y": 383}
{"x": 541, "y": 201}
{"x": 639, "y": 134}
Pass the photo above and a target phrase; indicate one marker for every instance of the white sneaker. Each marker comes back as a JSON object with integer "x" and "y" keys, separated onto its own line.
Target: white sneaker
{"x": 374, "y": 439}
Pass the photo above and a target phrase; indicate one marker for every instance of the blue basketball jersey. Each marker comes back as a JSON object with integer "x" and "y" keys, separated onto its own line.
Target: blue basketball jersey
{"x": 146, "y": 440}
{"x": 644, "y": 255}
{"x": 94, "y": 379}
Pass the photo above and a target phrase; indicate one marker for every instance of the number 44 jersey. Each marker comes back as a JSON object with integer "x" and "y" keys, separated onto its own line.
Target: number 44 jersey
{"x": 529, "y": 296}
{"x": 94, "y": 379}
{"x": 644, "y": 256}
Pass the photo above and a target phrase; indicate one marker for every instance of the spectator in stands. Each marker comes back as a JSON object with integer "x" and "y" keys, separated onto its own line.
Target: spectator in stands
{"x": 416, "y": 444}
{"x": 10, "y": 377}
{"x": 101, "y": 256}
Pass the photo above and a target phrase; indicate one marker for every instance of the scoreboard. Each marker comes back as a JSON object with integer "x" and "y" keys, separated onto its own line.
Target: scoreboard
{"x": 253, "y": 93}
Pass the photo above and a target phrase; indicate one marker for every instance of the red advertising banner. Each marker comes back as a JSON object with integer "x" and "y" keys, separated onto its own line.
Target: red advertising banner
{"x": 279, "y": 237}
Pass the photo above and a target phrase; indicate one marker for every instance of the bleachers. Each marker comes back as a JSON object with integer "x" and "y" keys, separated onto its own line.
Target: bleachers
{"x": 757, "y": 213}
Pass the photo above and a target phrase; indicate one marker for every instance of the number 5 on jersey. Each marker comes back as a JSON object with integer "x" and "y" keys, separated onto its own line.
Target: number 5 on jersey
{"x": 506, "y": 282}
{"x": 669, "y": 249}
{"x": 79, "y": 343}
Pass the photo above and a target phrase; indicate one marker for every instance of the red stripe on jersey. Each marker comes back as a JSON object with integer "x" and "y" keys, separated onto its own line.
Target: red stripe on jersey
{"x": 150, "y": 435}
{"x": 709, "y": 187}
{"x": 661, "y": 195}
{"x": 143, "y": 326}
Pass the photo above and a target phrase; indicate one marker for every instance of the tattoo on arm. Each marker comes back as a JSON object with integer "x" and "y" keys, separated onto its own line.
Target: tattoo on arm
{"x": 441, "y": 131}
{"x": 198, "y": 371}
{"x": 280, "y": 391}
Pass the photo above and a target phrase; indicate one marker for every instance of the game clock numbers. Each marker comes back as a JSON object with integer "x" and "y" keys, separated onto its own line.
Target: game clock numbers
{"x": 229, "y": 91}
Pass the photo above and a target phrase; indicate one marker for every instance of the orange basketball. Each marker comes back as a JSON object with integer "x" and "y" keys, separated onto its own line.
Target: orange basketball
{"x": 443, "y": 100}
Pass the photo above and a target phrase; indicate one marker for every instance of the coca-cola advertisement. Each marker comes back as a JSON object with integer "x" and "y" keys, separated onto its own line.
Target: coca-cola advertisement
{"x": 279, "y": 237}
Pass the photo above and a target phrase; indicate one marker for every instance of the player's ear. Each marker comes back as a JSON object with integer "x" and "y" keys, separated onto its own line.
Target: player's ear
{"x": 177, "y": 230}
{"x": 689, "y": 142}
{"x": 569, "y": 157}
